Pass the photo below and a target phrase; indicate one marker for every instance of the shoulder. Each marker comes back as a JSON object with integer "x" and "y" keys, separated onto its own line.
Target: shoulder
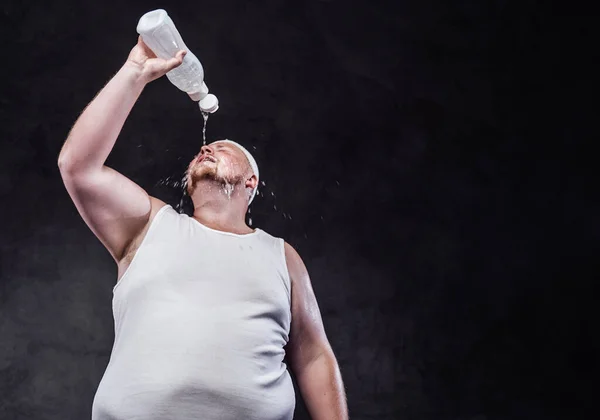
{"x": 156, "y": 204}
{"x": 290, "y": 253}
{"x": 132, "y": 247}
{"x": 294, "y": 262}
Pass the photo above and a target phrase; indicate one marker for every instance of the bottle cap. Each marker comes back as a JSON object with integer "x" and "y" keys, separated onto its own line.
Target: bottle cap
{"x": 209, "y": 103}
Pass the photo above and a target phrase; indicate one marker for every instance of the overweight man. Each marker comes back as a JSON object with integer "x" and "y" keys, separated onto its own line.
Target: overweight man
{"x": 205, "y": 307}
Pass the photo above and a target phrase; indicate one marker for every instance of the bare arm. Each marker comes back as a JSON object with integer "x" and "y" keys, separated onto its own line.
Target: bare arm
{"x": 115, "y": 208}
{"x": 310, "y": 354}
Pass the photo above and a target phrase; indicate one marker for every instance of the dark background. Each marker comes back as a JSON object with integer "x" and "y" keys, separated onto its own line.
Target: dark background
{"x": 431, "y": 161}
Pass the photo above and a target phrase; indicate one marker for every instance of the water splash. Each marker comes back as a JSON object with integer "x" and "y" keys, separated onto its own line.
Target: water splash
{"x": 205, "y": 115}
{"x": 228, "y": 189}
{"x": 265, "y": 191}
{"x": 171, "y": 181}
{"x": 179, "y": 207}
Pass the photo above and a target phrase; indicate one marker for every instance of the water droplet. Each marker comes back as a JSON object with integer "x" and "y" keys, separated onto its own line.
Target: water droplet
{"x": 250, "y": 221}
{"x": 263, "y": 182}
{"x": 228, "y": 189}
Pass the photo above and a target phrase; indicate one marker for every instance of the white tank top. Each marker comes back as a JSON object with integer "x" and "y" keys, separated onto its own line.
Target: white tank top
{"x": 201, "y": 319}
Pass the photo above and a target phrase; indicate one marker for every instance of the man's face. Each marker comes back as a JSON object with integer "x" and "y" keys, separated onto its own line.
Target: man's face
{"x": 219, "y": 161}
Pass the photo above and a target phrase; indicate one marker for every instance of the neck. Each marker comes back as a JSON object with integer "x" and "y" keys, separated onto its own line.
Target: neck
{"x": 221, "y": 206}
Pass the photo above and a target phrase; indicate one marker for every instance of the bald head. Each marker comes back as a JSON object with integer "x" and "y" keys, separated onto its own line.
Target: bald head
{"x": 251, "y": 162}
{"x": 225, "y": 162}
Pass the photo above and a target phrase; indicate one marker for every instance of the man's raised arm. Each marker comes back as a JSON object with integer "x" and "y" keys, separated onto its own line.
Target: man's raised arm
{"x": 115, "y": 208}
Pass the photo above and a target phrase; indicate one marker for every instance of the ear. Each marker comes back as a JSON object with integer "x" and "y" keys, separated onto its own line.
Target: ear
{"x": 252, "y": 182}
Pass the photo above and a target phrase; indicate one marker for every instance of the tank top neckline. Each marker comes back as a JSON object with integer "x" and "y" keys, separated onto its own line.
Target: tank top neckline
{"x": 238, "y": 235}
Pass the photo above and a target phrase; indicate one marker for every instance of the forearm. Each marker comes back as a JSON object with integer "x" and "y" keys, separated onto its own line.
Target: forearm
{"x": 322, "y": 389}
{"x": 96, "y": 130}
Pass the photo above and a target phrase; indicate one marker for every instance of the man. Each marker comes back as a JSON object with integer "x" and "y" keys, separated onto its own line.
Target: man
{"x": 205, "y": 307}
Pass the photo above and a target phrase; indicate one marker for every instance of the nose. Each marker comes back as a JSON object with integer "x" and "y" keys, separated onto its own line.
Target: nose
{"x": 206, "y": 150}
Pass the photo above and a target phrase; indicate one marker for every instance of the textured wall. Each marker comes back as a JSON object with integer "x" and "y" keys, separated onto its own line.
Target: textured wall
{"x": 426, "y": 159}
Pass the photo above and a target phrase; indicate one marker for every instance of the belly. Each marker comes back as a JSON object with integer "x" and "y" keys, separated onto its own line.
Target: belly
{"x": 153, "y": 388}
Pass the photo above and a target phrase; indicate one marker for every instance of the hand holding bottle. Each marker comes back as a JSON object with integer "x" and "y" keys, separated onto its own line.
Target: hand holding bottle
{"x": 150, "y": 66}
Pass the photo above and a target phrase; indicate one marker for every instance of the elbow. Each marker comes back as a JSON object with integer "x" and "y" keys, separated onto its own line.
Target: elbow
{"x": 62, "y": 162}
{"x": 65, "y": 164}
{"x": 63, "y": 157}
{"x": 70, "y": 165}
{"x": 69, "y": 158}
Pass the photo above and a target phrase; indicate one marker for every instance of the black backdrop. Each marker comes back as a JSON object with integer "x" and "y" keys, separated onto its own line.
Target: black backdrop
{"x": 430, "y": 161}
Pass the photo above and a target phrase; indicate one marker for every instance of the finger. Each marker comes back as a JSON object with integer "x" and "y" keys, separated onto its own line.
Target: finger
{"x": 176, "y": 61}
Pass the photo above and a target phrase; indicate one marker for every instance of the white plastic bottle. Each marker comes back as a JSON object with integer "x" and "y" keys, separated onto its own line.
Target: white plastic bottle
{"x": 160, "y": 34}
